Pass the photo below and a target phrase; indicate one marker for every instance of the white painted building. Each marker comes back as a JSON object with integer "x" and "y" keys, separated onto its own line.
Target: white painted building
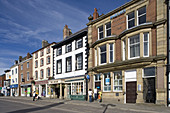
{"x": 42, "y": 68}
{"x": 70, "y": 66}
{"x": 14, "y": 80}
{"x": 7, "y": 82}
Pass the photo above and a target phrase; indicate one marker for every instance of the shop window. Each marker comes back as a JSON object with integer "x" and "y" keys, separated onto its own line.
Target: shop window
{"x": 68, "y": 48}
{"x": 103, "y": 57}
{"x": 134, "y": 46}
{"x": 79, "y": 43}
{"x": 108, "y": 29}
{"x": 77, "y": 88}
{"x": 131, "y": 19}
{"x": 100, "y": 32}
{"x": 146, "y": 44}
{"x": 59, "y": 66}
{"x": 97, "y": 81}
{"x": 111, "y": 52}
{"x": 68, "y": 64}
{"x": 79, "y": 61}
{"x": 141, "y": 15}
{"x": 117, "y": 86}
{"x": 107, "y": 82}
{"x": 59, "y": 51}
{"x": 149, "y": 72}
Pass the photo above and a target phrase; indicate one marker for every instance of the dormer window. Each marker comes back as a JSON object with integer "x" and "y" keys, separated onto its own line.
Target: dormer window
{"x": 100, "y": 32}
{"x": 108, "y": 29}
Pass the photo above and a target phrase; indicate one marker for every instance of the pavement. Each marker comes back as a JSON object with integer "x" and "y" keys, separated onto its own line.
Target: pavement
{"x": 145, "y": 107}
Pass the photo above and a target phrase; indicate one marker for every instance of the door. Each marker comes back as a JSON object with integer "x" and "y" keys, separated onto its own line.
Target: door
{"x": 131, "y": 94}
{"x": 149, "y": 93}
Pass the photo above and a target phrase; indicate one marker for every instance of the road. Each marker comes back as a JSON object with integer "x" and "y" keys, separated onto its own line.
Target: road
{"x": 12, "y": 105}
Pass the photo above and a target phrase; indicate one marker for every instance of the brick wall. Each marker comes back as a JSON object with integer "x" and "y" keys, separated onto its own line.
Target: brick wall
{"x": 151, "y": 11}
{"x": 94, "y": 34}
{"x": 118, "y": 50}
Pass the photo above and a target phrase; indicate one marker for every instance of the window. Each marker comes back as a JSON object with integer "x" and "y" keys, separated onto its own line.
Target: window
{"x": 111, "y": 52}
{"x": 59, "y": 66}
{"x": 12, "y": 72}
{"x": 79, "y": 61}
{"x": 124, "y": 49}
{"x": 42, "y": 62}
{"x": 48, "y": 72}
{"x": 22, "y": 79}
{"x": 15, "y": 70}
{"x": 97, "y": 81}
{"x": 48, "y": 50}
{"x": 117, "y": 81}
{"x": 28, "y": 76}
{"x": 95, "y": 56}
{"x": 36, "y": 74}
{"x": 27, "y": 64}
{"x": 13, "y": 81}
{"x": 141, "y": 15}
{"x": 77, "y": 88}
{"x": 68, "y": 64}
{"x": 22, "y": 67}
{"x": 48, "y": 60}
{"x": 134, "y": 46}
{"x": 36, "y": 55}
{"x": 42, "y": 73}
{"x": 103, "y": 57}
{"x": 59, "y": 51}
{"x": 79, "y": 43}
{"x": 146, "y": 44}
{"x": 107, "y": 82}
{"x": 42, "y": 52}
{"x": 36, "y": 63}
{"x": 149, "y": 71}
{"x": 68, "y": 48}
{"x": 131, "y": 19}
{"x": 108, "y": 29}
{"x": 100, "y": 32}
{"x": 16, "y": 80}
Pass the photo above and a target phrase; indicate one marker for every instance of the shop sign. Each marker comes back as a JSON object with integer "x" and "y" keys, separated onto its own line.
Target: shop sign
{"x": 14, "y": 86}
{"x": 107, "y": 81}
{"x": 53, "y": 82}
{"x": 41, "y": 82}
{"x": 117, "y": 14}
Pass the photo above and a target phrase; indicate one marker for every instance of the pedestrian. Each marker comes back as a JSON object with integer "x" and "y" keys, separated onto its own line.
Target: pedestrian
{"x": 34, "y": 96}
{"x": 95, "y": 94}
{"x": 90, "y": 95}
{"x": 100, "y": 96}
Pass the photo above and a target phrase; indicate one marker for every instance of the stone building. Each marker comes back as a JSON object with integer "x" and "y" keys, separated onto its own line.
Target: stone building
{"x": 128, "y": 51}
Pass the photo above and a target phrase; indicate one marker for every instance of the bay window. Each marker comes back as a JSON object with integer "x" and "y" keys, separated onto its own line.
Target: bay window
{"x": 124, "y": 49}
{"x": 111, "y": 52}
{"x": 103, "y": 54}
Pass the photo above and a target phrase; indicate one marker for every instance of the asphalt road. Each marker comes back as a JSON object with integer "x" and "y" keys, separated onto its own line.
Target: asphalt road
{"x": 13, "y": 105}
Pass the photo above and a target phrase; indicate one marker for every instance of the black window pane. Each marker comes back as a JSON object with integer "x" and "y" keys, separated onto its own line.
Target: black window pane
{"x": 101, "y": 35}
{"x": 100, "y": 28}
{"x": 103, "y": 48}
{"x": 150, "y": 71}
{"x": 142, "y": 19}
{"x": 108, "y": 32}
{"x": 142, "y": 10}
{"x": 103, "y": 58}
{"x": 108, "y": 25}
{"x": 131, "y": 23}
{"x": 131, "y": 15}
{"x": 111, "y": 56}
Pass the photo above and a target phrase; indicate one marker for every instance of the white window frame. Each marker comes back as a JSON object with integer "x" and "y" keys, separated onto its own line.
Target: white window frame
{"x": 59, "y": 62}
{"x": 138, "y": 16}
{"x": 67, "y": 66}
{"x": 110, "y": 51}
{"x": 147, "y": 76}
{"x": 95, "y": 56}
{"x": 133, "y": 44}
{"x": 117, "y": 85}
{"x": 58, "y": 51}
{"x": 100, "y": 55}
{"x": 100, "y": 32}
{"x": 108, "y": 29}
{"x": 79, "y": 61}
{"x": 48, "y": 72}
{"x": 147, "y": 43}
{"x": 104, "y": 85}
{"x": 67, "y": 46}
{"x": 124, "y": 50}
{"x": 48, "y": 60}
{"x": 130, "y": 19}
{"x": 80, "y": 40}
{"x": 42, "y": 62}
{"x": 42, "y": 73}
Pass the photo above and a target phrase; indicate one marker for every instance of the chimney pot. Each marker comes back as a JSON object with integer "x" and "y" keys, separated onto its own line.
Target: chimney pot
{"x": 95, "y": 14}
{"x": 66, "y": 32}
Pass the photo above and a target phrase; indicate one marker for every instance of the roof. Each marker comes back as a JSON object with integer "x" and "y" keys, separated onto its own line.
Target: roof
{"x": 74, "y": 36}
{"x": 113, "y": 11}
{"x": 7, "y": 70}
{"x": 44, "y": 47}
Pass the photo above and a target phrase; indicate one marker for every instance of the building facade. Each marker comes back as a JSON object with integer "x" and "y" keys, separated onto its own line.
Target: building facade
{"x": 2, "y": 88}
{"x": 14, "y": 88}
{"x": 128, "y": 50}
{"x": 70, "y": 65}
{"x": 7, "y": 82}
{"x": 25, "y": 75}
{"x": 42, "y": 68}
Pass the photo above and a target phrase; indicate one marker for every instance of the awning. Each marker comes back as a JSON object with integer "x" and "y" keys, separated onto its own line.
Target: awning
{"x": 14, "y": 86}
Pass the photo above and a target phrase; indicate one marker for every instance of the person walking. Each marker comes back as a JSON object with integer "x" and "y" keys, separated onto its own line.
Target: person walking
{"x": 34, "y": 96}
{"x": 100, "y": 96}
{"x": 90, "y": 95}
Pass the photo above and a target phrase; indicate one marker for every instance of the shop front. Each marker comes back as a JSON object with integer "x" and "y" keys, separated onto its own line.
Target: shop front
{"x": 42, "y": 88}
{"x": 26, "y": 90}
{"x": 14, "y": 90}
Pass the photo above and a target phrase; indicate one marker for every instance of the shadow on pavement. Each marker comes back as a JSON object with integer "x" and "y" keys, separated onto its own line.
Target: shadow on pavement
{"x": 37, "y": 108}
{"x": 106, "y": 106}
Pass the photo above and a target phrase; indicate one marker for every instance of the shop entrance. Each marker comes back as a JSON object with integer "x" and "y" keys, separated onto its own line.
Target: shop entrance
{"x": 149, "y": 93}
{"x": 131, "y": 92}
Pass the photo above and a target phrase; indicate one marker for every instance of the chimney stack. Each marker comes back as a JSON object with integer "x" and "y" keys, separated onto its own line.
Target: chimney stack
{"x": 20, "y": 58}
{"x": 95, "y": 14}
{"x": 28, "y": 55}
{"x": 44, "y": 43}
{"x": 66, "y": 32}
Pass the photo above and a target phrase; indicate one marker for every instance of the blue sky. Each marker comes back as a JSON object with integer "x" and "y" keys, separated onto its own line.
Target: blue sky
{"x": 25, "y": 23}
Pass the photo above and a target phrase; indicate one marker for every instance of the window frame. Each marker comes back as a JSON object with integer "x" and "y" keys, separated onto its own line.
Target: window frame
{"x": 48, "y": 60}
{"x": 59, "y": 61}
{"x": 101, "y": 53}
{"x": 110, "y": 52}
{"x": 104, "y": 82}
{"x": 67, "y": 58}
{"x": 124, "y": 50}
{"x": 148, "y": 76}
{"x": 48, "y": 72}
{"x": 42, "y": 62}
{"x": 144, "y": 44}
{"x": 81, "y": 55}
{"x": 41, "y": 73}
{"x": 42, "y": 53}
{"x": 130, "y": 19}
{"x": 36, "y": 64}
{"x": 108, "y": 29}
{"x": 57, "y": 52}
{"x": 67, "y": 47}
{"x": 22, "y": 77}
{"x": 138, "y": 16}
{"x": 100, "y": 32}
{"x": 77, "y": 41}
{"x": 21, "y": 66}
{"x": 118, "y": 81}
{"x": 28, "y": 64}
{"x": 36, "y": 74}
{"x": 28, "y": 76}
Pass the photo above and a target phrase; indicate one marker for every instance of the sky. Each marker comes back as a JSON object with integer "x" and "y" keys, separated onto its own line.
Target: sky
{"x": 25, "y": 23}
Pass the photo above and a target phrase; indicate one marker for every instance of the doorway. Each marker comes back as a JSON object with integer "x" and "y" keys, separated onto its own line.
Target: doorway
{"x": 131, "y": 94}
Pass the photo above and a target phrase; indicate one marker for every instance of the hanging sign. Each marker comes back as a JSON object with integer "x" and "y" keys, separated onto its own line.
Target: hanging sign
{"x": 107, "y": 81}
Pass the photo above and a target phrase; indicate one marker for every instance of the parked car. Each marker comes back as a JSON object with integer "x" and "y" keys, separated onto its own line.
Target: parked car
{"x": 1, "y": 94}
